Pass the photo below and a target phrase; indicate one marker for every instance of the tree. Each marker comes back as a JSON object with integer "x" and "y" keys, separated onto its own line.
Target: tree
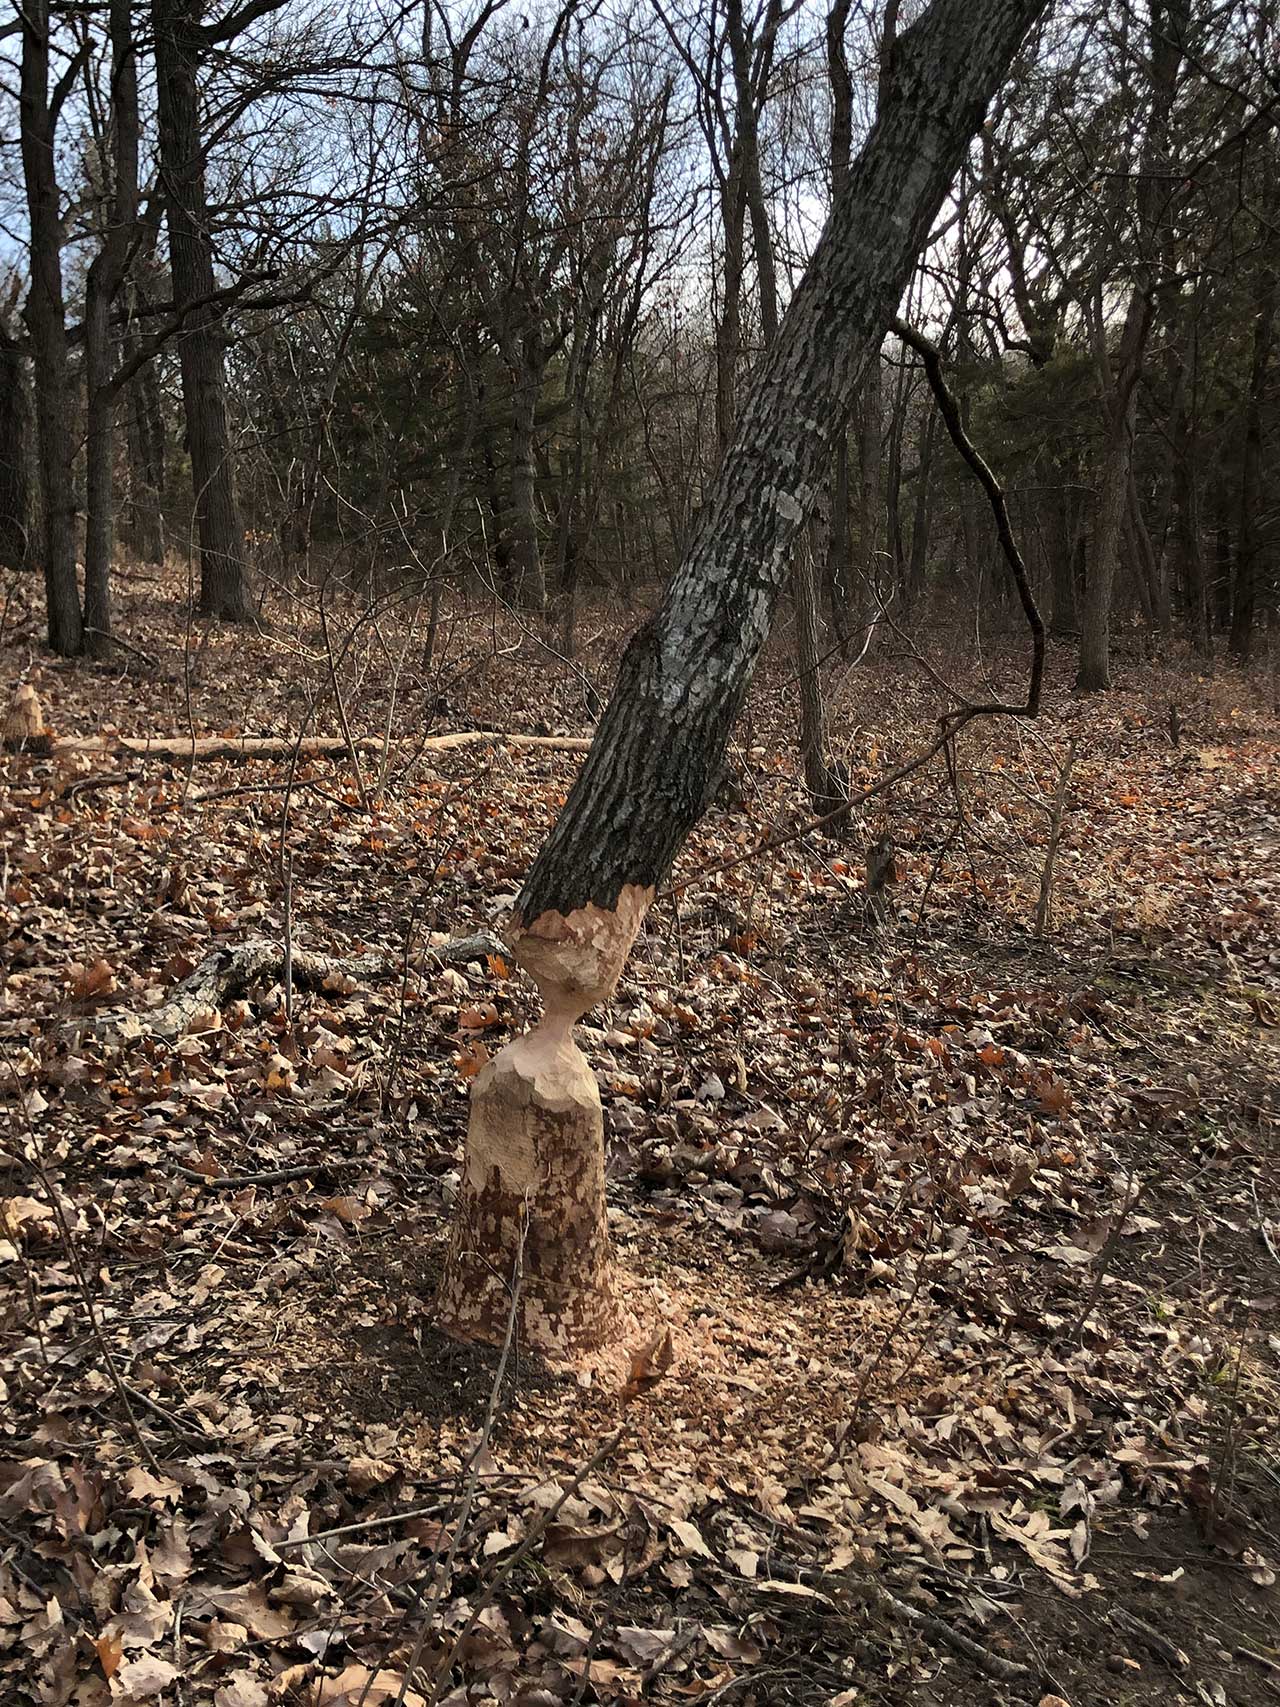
{"x": 45, "y": 315}
{"x": 1250, "y": 536}
{"x": 119, "y": 212}
{"x": 531, "y": 1204}
{"x": 182, "y": 40}
{"x": 1121, "y": 372}
{"x": 15, "y": 479}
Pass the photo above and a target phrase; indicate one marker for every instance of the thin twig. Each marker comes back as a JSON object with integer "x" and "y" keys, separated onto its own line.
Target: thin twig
{"x": 288, "y": 937}
{"x": 273, "y": 1176}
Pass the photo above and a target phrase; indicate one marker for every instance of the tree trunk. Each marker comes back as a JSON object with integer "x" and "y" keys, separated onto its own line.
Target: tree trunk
{"x": 106, "y": 275}
{"x": 146, "y": 444}
{"x": 1094, "y": 673}
{"x": 15, "y": 456}
{"x": 1249, "y": 535}
{"x": 45, "y": 314}
{"x": 1167, "y": 27}
{"x": 823, "y": 787}
{"x": 866, "y": 594}
{"x": 918, "y": 566}
{"x": 839, "y": 595}
{"x": 178, "y": 47}
{"x": 840, "y": 143}
{"x": 729, "y": 322}
{"x": 1062, "y": 617}
{"x": 526, "y": 559}
{"x": 532, "y": 1153}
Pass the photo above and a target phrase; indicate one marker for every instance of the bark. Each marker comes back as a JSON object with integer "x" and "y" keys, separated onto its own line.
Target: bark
{"x": 146, "y": 444}
{"x": 15, "y": 463}
{"x": 45, "y": 315}
{"x": 839, "y": 596}
{"x": 1062, "y": 618}
{"x": 823, "y": 786}
{"x": 106, "y": 275}
{"x": 729, "y": 323}
{"x": 1094, "y": 673}
{"x": 1152, "y": 573}
{"x": 841, "y": 143}
{"x": 179, "y": 46}
{"x": 866, "y": 595}
{"x": 1249, "y": 535}
{"x": 918, "y": 566}
{"x": 526, "y": 559}
{"x": 682, "y": 679}
{"x": 1168, "y": 24}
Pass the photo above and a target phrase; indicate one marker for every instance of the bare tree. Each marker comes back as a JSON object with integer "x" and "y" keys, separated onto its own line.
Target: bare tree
{"x": 182, "y": 42}
{"x": 533, "y": 1177}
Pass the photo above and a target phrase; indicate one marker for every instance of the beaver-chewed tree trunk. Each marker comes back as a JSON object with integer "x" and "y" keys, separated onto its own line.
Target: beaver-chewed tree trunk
{"x": 532, "y": 1195}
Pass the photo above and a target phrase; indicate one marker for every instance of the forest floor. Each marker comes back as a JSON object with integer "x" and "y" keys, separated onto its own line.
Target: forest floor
{"x": 960, "y": 1247}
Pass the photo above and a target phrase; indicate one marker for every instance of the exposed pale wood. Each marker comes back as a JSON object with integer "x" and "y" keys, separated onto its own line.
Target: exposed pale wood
{"x": 182, "y": 747}
{"x": 532, "y": 1198}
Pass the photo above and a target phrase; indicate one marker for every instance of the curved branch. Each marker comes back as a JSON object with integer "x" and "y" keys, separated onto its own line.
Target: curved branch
{"x": 949, "y": 409}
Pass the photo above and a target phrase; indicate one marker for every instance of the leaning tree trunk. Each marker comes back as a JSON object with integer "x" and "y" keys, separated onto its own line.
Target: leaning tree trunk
{"x": 531, "y": 1203}
{"x": 178, "y": 46}
{"x": 45, "y": 314}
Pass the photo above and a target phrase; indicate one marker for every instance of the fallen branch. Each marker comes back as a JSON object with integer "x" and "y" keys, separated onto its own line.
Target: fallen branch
{"x": 184, "y": 748}
{"x": 227, "y": 973}
{"x": 272, "y": 1176}
{"x": 993, "y": 1665}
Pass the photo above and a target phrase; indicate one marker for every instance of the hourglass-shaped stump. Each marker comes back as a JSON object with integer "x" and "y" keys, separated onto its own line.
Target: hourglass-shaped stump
{"x": 532, "y": 1197}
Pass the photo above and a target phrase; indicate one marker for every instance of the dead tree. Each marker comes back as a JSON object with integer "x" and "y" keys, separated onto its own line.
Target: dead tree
{"x": 533, "y": 1180}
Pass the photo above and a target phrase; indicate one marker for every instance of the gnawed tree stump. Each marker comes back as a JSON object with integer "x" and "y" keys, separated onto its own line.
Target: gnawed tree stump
{"x": 533, "y": 1180}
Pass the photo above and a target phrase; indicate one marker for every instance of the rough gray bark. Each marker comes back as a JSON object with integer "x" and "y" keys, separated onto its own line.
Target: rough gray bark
{"x": 841, "y": 146}
{"x": 526, "y": 558}
{"x": 45, "y": 315}
{"x": 106, "y": 275}
{"x": 15, "y": 457}
{"x": 180, "y": 43}
{"x": 684, "y": 675}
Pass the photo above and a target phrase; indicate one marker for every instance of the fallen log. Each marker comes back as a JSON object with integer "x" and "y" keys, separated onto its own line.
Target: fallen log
{"x": 184, "y": 748}
{"x": 229, "y": 971}
{"x": 224, "y": 974}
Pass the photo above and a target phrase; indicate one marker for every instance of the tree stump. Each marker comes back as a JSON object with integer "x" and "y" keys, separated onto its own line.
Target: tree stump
{"x": 532, "y": 1218}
